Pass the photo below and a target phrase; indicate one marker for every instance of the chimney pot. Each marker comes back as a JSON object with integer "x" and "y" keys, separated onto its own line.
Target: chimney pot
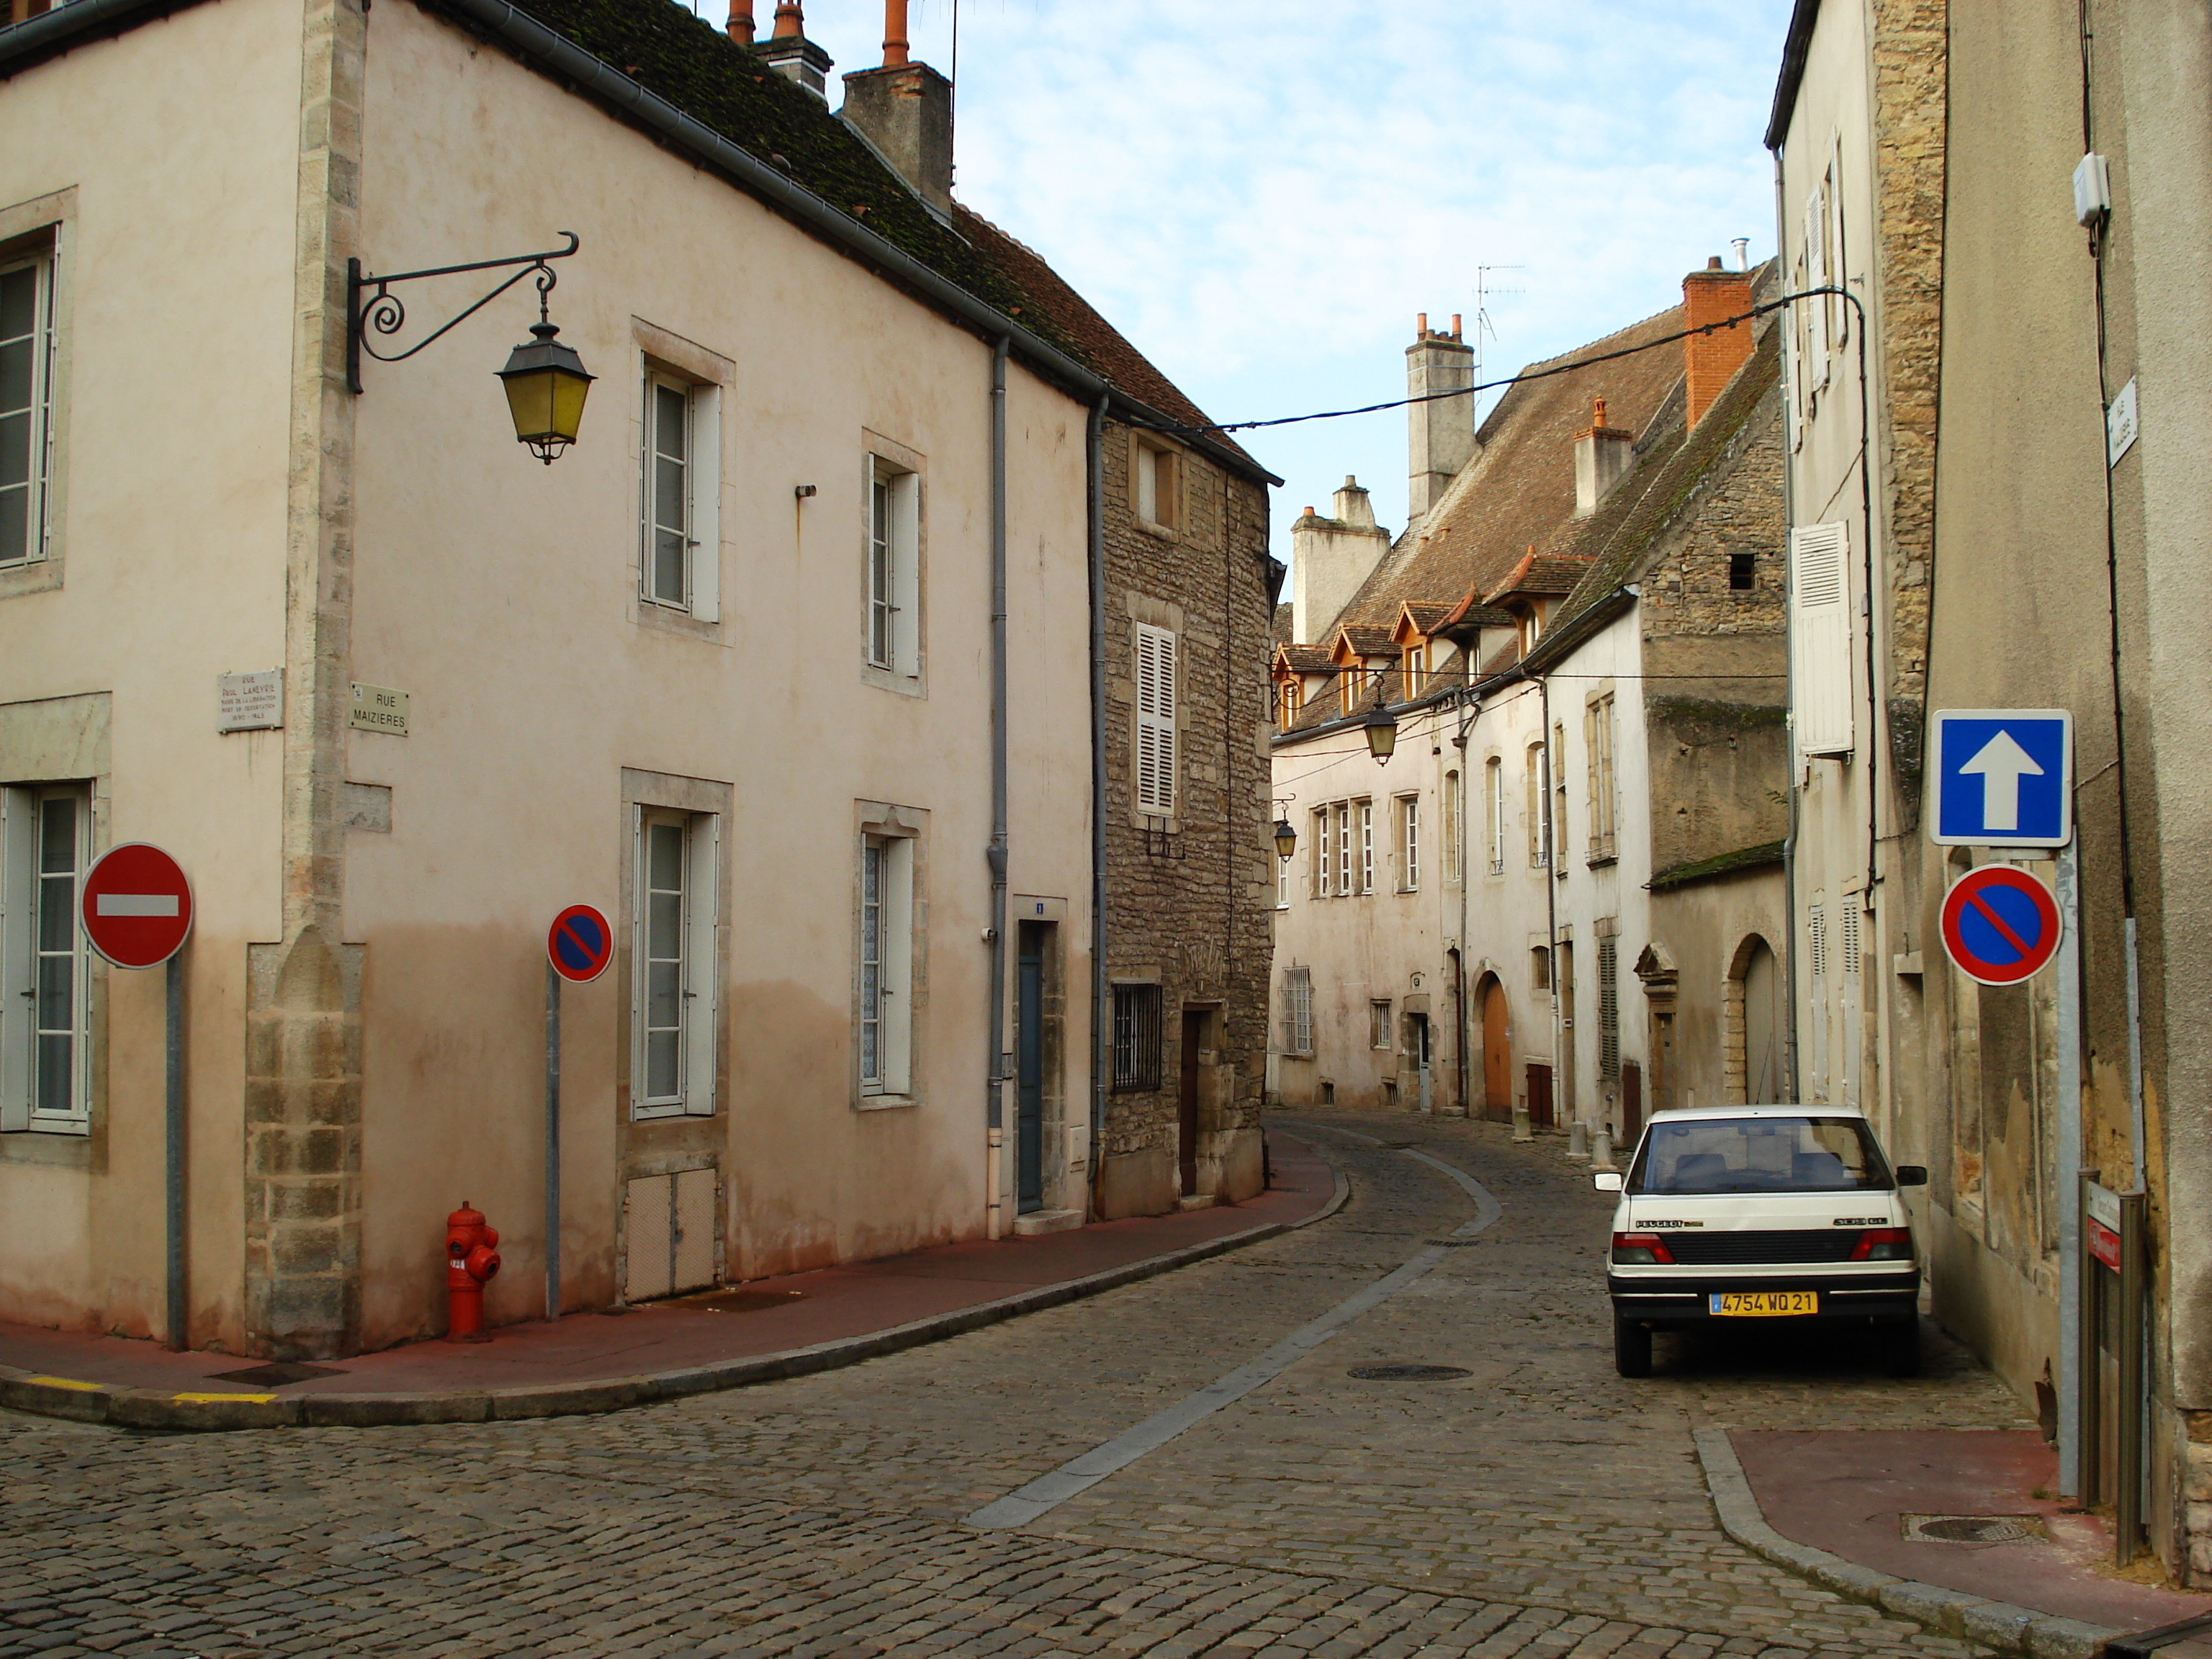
{"x": 1713, "y": 262}
{"x": 790, "y": 21}
{"x": 741, "y": 26}
{"x": 1454, "y": 325}
{"x": 895, "y": 40}
{"x": 1420, "y": 325}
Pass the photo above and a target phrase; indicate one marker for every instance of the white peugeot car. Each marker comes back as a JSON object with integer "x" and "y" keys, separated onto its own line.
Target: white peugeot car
{"x": 1786, "y": 1212}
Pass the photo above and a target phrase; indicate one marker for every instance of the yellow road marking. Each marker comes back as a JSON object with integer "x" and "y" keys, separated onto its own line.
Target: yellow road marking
{"x": 67, "y": 1383}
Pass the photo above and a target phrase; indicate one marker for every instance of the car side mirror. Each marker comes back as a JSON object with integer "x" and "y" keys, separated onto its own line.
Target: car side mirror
{"x": 1609, "y": 1180}
{"x": 1912, "y": 1175}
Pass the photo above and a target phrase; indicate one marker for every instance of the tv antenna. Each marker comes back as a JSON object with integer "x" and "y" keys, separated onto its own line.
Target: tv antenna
{"x": 1483, "y": 293}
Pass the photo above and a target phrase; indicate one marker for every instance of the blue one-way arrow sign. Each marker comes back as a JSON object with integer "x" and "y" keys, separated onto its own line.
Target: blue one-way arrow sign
{"x": 2004, "y": 777}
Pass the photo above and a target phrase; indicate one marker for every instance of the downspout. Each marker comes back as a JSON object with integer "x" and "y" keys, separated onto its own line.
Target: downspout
{"x": 1788, "y": 666}
{"x": 1101, "y": 1025}
{"x": 994, "y": 1090}
{"x": 1560, "y": 1036}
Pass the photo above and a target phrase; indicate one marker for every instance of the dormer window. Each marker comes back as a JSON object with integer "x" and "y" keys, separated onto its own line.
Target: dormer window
{"x": 1292, "y": 701}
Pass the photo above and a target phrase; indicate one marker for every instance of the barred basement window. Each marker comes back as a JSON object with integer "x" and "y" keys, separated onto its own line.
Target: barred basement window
{"x": 1136, "y": 1037}
{"x": 1378, "y": 1024}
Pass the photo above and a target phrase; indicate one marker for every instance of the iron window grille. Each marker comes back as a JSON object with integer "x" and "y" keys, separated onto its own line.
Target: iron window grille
{"x": 1136, "y": 1037}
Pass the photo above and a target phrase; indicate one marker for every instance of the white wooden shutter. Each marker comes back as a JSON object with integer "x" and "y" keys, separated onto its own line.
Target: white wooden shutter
{"x": 1156, "y": 721}
{"x": 1821, "y": 701}
{"x": 705, "y": 405}
{"x": 1816, "y": 276}
{"x": 18, "y": 845}
{"x": 702, "y": 964}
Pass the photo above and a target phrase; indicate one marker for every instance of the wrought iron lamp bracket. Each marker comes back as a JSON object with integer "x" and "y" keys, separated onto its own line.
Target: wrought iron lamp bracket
{"x": 372, "y": 307}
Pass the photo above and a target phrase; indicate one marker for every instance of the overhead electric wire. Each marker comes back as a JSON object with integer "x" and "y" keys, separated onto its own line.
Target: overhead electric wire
{"x": 1751, "y": 315}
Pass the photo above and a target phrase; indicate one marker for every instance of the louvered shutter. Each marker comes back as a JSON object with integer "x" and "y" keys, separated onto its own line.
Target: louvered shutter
{"x": 18, "y": 850}
{"x": 1821, "y": 701}
{"x": 1816, "y": 276}
{"x": 1156, "y": 721}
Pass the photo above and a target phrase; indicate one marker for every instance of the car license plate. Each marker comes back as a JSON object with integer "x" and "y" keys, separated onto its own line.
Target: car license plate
{"x": 1753, "y": 1304}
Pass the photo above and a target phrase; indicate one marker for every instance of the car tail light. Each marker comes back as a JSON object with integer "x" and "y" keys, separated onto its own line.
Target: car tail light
{"x": 1884, "y": 1245}
{"x": 1641, "y": 1250}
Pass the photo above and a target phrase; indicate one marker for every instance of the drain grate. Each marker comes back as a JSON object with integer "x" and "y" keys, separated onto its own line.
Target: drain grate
{"x": 1409, "y": 1373}
{"x": 1973, "y": 1528}
{"x": 1454, "y": 1243}
{"x": 729, "y": 1301}
{"x": 276, "y": 1374}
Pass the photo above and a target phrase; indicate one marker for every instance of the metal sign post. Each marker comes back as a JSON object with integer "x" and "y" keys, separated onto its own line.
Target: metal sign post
{"x": 578, "y": 946}
{"x": 137, "y": 911}
{"x": 2067, "y": 1176}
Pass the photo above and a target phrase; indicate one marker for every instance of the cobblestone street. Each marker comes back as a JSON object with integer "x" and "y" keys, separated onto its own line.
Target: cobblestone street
{"x": 1539, "y": 1504}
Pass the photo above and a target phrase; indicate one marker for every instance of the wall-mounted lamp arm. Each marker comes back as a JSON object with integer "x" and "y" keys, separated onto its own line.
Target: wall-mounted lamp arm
{"x": 371, "y": 305}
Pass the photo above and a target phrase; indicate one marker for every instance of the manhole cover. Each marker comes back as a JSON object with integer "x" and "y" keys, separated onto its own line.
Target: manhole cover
{"x": 1409, "y": 1373}
{"x": 276, "y": 1374}
{"x": 1973, "y": 1528}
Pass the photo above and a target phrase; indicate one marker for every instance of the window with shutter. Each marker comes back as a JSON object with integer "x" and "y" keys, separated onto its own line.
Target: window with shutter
{"x": 1821, "y": 705}
{"x": 1297, "y": 1012}
{"x": 1156, "y": 721}
{"x": 1816, "y": 276}
{"x": 1608, "y": 1008}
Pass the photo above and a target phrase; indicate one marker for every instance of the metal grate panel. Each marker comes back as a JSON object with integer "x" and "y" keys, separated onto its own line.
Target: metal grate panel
{"x": 1787, "y": 1245}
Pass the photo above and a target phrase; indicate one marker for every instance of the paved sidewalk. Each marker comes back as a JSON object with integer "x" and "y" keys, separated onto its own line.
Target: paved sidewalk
{"x": 764, "y": 1330}
{"x": 1953, "y": 1528}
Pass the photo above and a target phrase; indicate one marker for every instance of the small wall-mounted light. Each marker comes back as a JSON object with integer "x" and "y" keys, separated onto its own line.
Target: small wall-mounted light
{"x": 800, "y": 492}
{"x": 1286, "y": 839}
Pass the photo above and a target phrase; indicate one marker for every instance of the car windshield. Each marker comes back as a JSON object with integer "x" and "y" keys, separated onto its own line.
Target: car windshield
{"x": 1759, "y": 1155}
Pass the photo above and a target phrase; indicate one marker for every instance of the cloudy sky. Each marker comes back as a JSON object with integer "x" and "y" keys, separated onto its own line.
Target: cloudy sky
{"x": 1262, "y": 193}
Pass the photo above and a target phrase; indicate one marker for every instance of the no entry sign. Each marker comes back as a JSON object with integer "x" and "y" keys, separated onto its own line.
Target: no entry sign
{"x": 2000, "y": 925}
{"x": 137, "y": 906}
{"x": 579, "y": 943}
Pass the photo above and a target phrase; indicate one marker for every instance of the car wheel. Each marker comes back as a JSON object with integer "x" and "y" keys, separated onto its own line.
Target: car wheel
{"x": 1631, "y": 1347}
{"x": 1903, "y": 1355}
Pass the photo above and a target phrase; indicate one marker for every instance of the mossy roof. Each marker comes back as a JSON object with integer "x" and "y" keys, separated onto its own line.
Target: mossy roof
{"x": 1724, "y": 864}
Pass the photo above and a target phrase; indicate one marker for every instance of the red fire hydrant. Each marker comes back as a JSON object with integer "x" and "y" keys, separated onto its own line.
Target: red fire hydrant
{"x": 470, "y": 1260}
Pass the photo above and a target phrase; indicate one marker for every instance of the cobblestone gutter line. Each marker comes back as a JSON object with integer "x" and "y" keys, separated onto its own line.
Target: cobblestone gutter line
{"x": 1997, "y": 1625}
{"x": 150, "y": 1408}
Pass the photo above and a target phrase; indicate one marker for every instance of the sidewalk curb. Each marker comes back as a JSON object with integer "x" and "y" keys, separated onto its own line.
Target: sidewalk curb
{"x": 188, "y": 1412}
{"x": 1998, "y": 1625}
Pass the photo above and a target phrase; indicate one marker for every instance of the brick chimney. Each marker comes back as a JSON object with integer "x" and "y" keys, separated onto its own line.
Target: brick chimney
{"x": 791, "y": 55}
{"x": 1440, "y": 436}
{"x": 1603, "y": 455}
{"x": 1710, "y": 361}
{"x": 905, "y": 110}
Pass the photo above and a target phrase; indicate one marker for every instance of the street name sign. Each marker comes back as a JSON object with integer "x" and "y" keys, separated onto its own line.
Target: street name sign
{"x": 2004, "y": 777}
{"x": 579, "y": 943}
{"x": 2000, "y": 925}
{"x": 137, "y": 906}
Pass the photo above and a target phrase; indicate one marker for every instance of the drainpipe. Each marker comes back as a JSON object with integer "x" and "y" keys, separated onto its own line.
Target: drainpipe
{"x": 996, "y": 932}
{"x": 1101, "y": 1032}
{"x": 1561, "y": 1037}
{"x": 1789, "y": 668}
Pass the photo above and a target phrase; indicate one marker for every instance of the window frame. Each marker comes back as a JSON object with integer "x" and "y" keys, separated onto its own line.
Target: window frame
{"x": 698, "y": 968}
{"x": 1454, "y": 815}
{"x": 891, "y": 514}
{"x": 42, "y": 260}
{"x": 1152, "y": 758}
{"x": 1138, "y": 1037}
{"x": 1297, "y": 1010}
{"x": 1538, "y": 805}
{"x": 887, "y": 1006}
{"x": 1408, "y": 816}
{"x": 1379, "y": 1035}
{"x": 25, "y": 905}
{"x": 1493, "y": 813}
{"x": 1155, "y": 471}
{"x": 701, "y": 531}
{"x": 1364, "y": 816}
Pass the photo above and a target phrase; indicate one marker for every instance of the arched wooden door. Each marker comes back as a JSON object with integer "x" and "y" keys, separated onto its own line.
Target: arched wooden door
{"x": 1763, "y": 1019}
{"x": 1497, "y": 1050}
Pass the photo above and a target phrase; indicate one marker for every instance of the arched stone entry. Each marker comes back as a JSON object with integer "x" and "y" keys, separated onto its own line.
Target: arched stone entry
{"x": 1757, "y": 1026}
{"x": 1497, "y": 1048}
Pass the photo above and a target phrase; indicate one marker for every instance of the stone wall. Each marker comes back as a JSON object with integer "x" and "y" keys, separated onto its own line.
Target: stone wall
{"x": 1190, "y": 901}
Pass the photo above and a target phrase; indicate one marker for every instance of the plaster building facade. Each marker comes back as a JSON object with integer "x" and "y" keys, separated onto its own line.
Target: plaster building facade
{"x": 2038, "y": 277}
{"x": 780, "y": 665}
{"x": 1560, "y": 894}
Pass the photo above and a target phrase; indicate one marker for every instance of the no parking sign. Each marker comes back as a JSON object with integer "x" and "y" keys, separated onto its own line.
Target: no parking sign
{"x": 2000, "y": 925}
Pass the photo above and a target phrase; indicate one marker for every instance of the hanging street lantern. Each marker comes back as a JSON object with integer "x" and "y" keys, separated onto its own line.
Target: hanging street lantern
{"x": 1286, "y": 839}
{"x": 1382, "y": 733}
{"x": 546, "y": 384}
